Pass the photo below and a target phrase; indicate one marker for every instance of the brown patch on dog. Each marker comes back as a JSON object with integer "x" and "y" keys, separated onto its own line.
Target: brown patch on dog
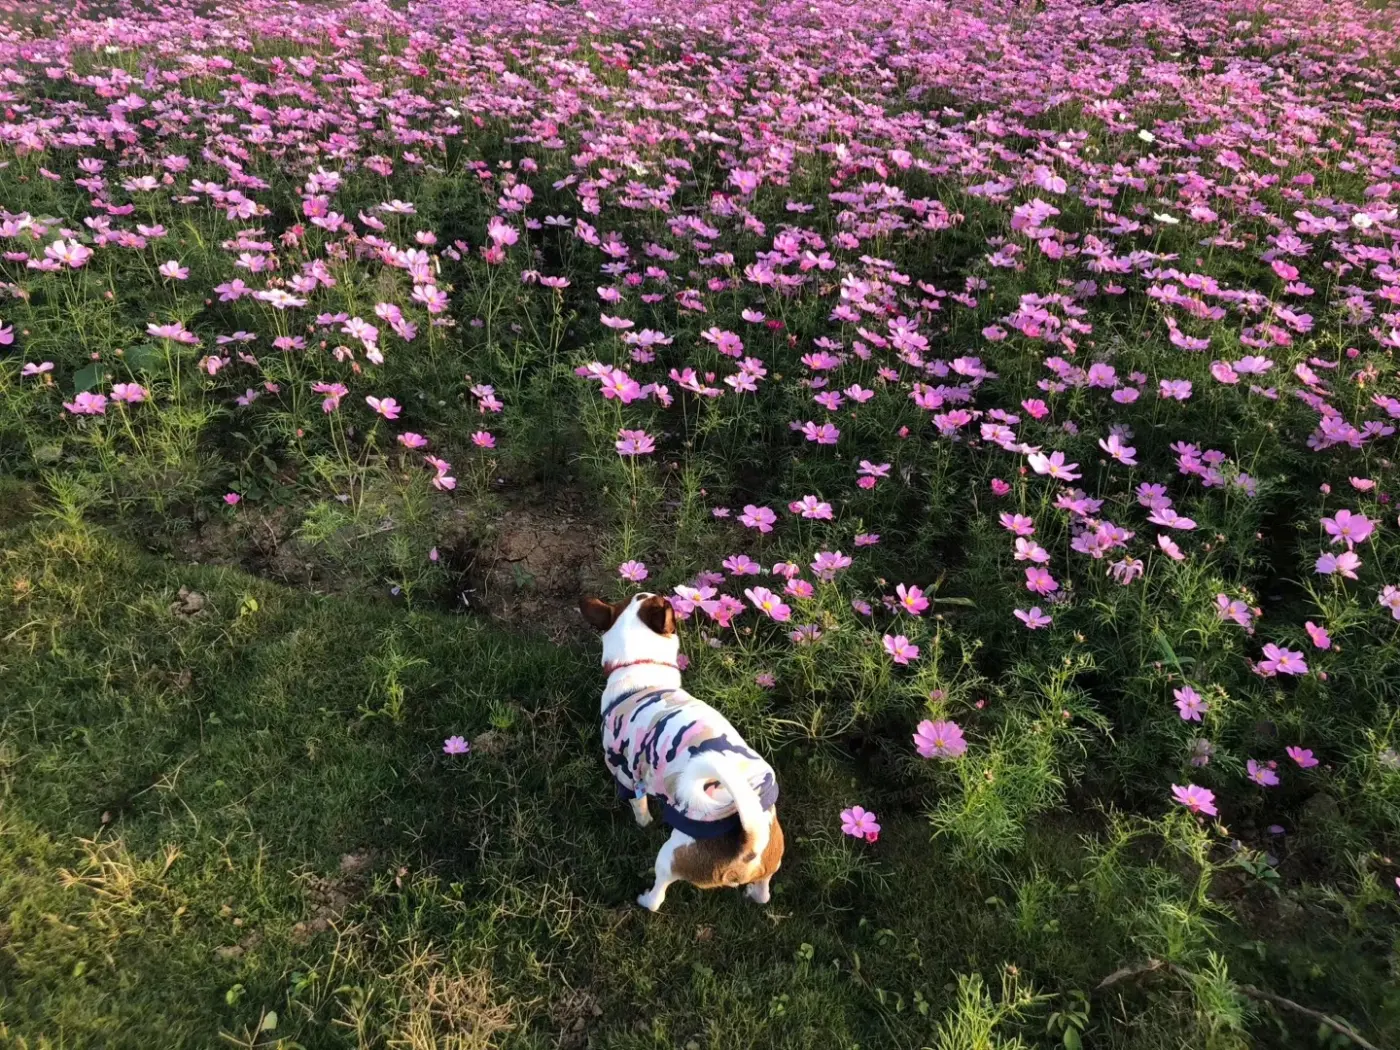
{"x": 656, "y": 612}
{"x": 729, "y": 860}
{"x": 600, "y": 614}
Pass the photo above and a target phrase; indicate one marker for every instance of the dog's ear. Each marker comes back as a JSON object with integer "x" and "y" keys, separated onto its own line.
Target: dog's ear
{"x": 598, "y": 613}
{"x": 656, "y": 612}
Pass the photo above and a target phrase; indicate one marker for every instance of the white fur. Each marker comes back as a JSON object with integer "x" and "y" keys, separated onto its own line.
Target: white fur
{"x": 628, "y": 641}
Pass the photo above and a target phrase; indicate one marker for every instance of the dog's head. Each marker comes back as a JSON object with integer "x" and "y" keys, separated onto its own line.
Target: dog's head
{"x": 642, "y": 627}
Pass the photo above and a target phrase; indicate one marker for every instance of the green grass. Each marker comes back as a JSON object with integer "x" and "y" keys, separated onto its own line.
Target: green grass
{"x": 180, "y": 791}
{"x": 237, "y": 828}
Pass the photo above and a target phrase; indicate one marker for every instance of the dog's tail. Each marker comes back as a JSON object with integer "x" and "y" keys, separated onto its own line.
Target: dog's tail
{"x": 752, "y": 816}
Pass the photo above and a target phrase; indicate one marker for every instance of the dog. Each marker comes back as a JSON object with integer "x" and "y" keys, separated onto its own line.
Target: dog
{"x": 718, "y": 796}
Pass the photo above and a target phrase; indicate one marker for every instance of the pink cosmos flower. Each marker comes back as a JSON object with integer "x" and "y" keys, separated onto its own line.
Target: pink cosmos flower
{"x": 999, "y": 487}
{"x": 1196, "y": 799}
{"x": 86, "y": 404}
{"x": 766, "y": 601}
{"x": 409, "y": 439}
{"x": 828, "y": 563}
{"x": 741, "y": 565}
{"x": 455, "y": 745}
{"x": 799, "y": 589}
{"x": 811, "y": 507}
{"x": 1175, "y": 389}
{"x": 1261, "y": 774}
{"x": 912, "y": 599}
{"x": 859, "y": 823}
{"x": 1189, "y": 704}
{"x": 1018, "y": 524}
{"x": 1320, "y": 638}
{"x": 1303, "y": 756}
{"x": 826, "y": 434}
{"x": 1169, "y": 547}
{"x": 1345, "y": 563}
{"x": 1234, "y": 609}
{"x": 484, "y": 439}
{"x": 1117, "y": 450}
{"x": 1033, "y": 618}
{"x": 760, "y": 518}
{"x": 939, "y": 740}
{"x": 1169, "y": 518}
{"x": 131, "y": 393}
{"x": 1029, "y": 550}
{"x": 232, "y": 499}
{"x": 386, "y": 407}
{"x": 1389, "y": 598}
{"x": 866, "y": 539}
{"x": 1054, "y": 465}
{"x": 333, "y": 391}
{"x": 632, "y": 571}
{"x": 634, "y": 443}
{"x": 1038, "y": 581}
{"x": 900, "y": 648}
{"x": 1278, "y": 660}
{"x": 174, "y": 271}
{"x": 1223, "y": 373}
{"x": 1346, "y": 527}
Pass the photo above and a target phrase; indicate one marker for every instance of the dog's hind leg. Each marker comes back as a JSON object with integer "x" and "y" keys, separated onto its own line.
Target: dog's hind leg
{"x": 665, "y": 875}
{"x": 641, "y": 812}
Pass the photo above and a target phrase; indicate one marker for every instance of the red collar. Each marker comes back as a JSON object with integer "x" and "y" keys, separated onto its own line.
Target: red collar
{"x": 608, "y": 669}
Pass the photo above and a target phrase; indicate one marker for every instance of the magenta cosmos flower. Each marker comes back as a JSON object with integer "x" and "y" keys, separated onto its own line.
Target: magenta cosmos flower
{"x": 455, "y": 745}
{"x": 859, "y": 823}
{"x": 1345, "y": 563}
{"x": 86, "y": 404}
{"x": 811, "y": 507}
{"x": 939, "y": 739}
{"x": 1346, "y": 527}
{"x": 1054, "y": 465}
{"x": 766, "y": 601}
{"x": 1303, "y": 756}
{"x": 1189, "y": 704}
{"x": 1033, "y": 618}
{"x": 1261, "y": 773}
{"x": 1278, "y": 660}
{"x": 911, "y": 599}
{"x": 634, "y": 443}
{"x": 741, "y": 565}
{"x": 760, "y": 518}
{"x": 1196, "y": 799}
{"x": 386, "y": 407}
{"x": 1018, "y": 524}
{"x": 632, "y": 571}
{"x": 900, "y": 648}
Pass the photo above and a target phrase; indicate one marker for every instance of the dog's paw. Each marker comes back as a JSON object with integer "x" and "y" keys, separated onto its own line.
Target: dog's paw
{"x": 643, "y": 818}
{"x": 648, "y": 902}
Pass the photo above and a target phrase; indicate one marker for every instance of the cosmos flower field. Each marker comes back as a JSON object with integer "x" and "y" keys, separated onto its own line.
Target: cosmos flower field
{"x": 1005, "y": 394}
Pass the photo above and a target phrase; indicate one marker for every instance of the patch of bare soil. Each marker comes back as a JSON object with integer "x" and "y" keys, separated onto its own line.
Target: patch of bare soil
{"x": 573, "y": 1012}
{"x": 539, "y": 557}
{"x": 526, "y": 566}
{"x": 263, "y": 544}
